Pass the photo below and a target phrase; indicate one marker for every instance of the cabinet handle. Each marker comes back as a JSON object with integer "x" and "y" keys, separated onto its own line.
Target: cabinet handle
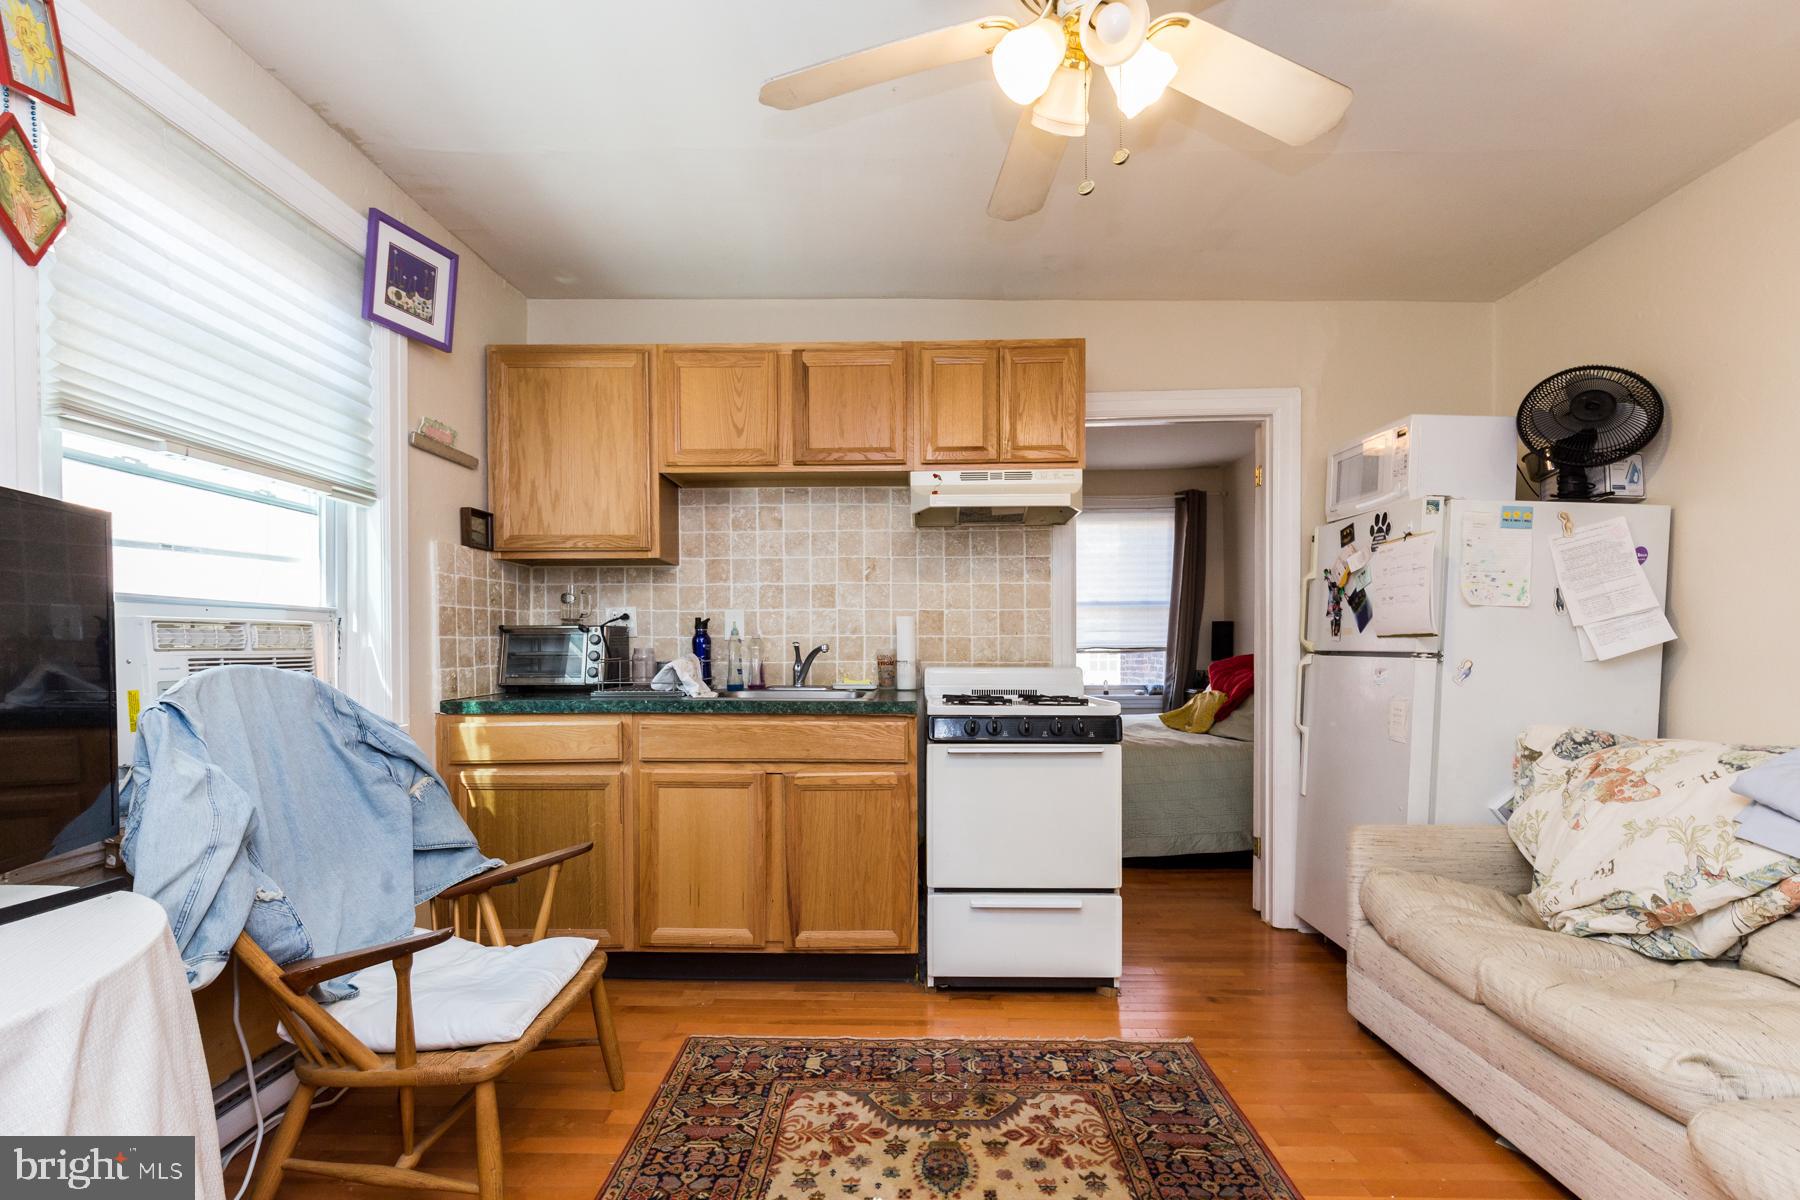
{"x": 1024, "y": 902}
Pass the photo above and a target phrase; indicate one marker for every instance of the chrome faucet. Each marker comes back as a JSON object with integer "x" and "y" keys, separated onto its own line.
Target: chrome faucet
{"x": 803, "y": 665}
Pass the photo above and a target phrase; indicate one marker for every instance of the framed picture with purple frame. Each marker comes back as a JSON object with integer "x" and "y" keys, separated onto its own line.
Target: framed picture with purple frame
{"x": 409, "y": 282}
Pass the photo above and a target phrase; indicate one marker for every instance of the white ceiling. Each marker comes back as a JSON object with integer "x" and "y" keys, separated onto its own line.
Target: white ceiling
{"x": 617, "y": 150}
{"x": 1170, "y": 446}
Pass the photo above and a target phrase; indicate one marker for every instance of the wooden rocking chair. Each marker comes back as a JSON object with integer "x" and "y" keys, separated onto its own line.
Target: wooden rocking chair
{"x": 330, "y": 1056}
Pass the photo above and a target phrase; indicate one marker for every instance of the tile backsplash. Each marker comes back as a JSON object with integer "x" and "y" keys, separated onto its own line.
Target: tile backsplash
{"x": 807, "y": 565}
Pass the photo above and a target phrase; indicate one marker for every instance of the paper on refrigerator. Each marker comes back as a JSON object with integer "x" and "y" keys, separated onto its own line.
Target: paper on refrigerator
{"x": 1599, "y": 574}
{"x": 1609, "y": 598}
{"x": 1402, "y": 581}
{"x": 1623, "y": 635}
{"x": 1496, "y": 560}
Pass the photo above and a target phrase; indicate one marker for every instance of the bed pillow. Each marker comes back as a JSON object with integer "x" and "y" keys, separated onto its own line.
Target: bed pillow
{"x": 1234, "y": 676}
{"x": 1240, "y": 726}
{"x": 1197, "y": 715}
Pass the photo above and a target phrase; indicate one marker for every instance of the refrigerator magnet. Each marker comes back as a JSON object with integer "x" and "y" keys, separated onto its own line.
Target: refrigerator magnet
{"x": 1464, "y": 669}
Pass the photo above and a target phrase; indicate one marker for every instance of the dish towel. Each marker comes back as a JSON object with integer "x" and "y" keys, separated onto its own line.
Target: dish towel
{"x": 1772, "y": 818}
{"x": 682, "y": 675}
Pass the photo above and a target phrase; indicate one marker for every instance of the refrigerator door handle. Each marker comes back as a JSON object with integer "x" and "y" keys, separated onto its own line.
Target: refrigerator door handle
{"x": 1300, "y": 712}
{"x": 1305, "y": 604}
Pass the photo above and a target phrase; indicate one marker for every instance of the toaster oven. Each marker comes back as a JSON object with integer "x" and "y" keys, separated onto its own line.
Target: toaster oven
{"x": 551, "y": 656}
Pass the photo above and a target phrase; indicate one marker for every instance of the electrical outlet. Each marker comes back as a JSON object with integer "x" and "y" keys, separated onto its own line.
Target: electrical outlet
{"x": 630, "y": 621}
{"x": 734, "y": 619}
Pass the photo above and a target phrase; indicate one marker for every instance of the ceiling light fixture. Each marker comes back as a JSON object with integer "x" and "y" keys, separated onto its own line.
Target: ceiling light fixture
{"x": 1140, "y": 80}
{"x": 1026, "y": 58}
{"x": 1046, "y": 67}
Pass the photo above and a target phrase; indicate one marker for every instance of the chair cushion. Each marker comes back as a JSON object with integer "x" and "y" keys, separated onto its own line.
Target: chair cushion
{"x": 1775, "y": 950}
{"x": 1678, "y": 1036}
{"x": 1751, "y": 1149}
{"x": 1450, "y": 928}
{"x": 463, "y": 994}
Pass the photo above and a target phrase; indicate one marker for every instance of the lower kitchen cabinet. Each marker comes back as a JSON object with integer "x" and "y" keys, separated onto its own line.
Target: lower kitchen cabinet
{"x": 850, "y": 857}
{"x": 703, "y": 858}
{"x": 520, "y": 811}
{"x": 739, "y": 833}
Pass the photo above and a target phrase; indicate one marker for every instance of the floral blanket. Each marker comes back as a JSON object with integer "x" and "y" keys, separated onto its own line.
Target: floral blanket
{"x": 1636, "y": 842}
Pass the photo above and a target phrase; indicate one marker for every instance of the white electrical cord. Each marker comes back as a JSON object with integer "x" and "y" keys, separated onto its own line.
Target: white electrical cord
{"x": 249, "y": 1078}
{"x": 262, "y": 1123}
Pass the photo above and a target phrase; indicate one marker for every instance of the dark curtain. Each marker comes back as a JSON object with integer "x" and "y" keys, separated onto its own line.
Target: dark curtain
{"x": 1185, "y": 593}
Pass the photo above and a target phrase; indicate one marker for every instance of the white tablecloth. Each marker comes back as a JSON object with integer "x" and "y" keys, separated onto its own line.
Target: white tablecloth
{"x": 97, "y": 1029}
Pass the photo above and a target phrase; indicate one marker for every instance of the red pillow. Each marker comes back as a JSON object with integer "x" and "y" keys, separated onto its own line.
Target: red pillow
{"x": 1234, "y": 676}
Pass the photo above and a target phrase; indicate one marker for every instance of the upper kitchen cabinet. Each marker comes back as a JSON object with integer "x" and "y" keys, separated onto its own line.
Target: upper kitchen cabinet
{"x": 719, "y": 406}
{"x": 1000, "y": 402}
{"x": 957, "y": 397}
{"x": 1043, "y": 397}
{"x": 848, "y": 406}
{"x": 571, "y": 466}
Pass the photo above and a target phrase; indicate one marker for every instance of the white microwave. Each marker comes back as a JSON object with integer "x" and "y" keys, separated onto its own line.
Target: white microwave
{"x": 1423, "y": 455}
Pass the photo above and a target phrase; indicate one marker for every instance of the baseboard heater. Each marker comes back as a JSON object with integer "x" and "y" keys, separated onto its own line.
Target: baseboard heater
{"x": 275, "y": 1084}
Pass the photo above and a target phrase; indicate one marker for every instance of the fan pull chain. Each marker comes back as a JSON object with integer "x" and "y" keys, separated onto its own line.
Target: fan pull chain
{"x": 1086, "y": 186}
{"x": 1121, "y": 156}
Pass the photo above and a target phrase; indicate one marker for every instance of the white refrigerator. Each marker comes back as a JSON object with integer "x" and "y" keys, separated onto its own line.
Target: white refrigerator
{"x": 1421, "y": 730}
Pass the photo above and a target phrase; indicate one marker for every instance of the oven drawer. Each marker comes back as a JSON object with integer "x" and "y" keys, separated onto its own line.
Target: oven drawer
{"x": 1023, "y": 935}
{"x": 1022, "y": 816}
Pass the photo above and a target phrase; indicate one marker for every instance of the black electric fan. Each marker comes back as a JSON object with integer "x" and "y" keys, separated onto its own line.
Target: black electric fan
{"x": 1587, "y": 417}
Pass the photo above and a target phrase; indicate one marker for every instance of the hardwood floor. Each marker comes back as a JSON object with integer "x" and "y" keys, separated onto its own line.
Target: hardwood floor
{"x": 1345, "y": 1116}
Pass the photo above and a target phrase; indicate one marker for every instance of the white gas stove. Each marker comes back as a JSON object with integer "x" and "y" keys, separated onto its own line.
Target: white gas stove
{"x": 1022, "y": 828}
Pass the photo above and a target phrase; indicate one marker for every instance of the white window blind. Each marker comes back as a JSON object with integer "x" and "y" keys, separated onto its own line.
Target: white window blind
{"x": 1124, "y": 564}
{"x": 187, "y": 308}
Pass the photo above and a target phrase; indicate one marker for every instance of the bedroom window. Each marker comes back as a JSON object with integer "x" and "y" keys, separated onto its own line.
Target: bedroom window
{"x": 1124, "y": 562}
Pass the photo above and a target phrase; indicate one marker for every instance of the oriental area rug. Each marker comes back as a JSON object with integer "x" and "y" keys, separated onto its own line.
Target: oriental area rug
{"x": 747, "y": 1118}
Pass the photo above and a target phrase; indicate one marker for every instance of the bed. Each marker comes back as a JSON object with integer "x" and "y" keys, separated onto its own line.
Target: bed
{"x": 1187, "y": 793}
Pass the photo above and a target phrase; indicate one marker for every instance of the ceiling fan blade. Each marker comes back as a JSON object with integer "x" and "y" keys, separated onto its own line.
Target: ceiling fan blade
{"x": 1028, "y": 172}
{"x": 865, "y": 68}
{"x": 1244, "y": 81}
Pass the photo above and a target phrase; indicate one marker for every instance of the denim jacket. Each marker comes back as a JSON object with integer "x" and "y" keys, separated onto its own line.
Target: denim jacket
{"x": 264, "y": 800}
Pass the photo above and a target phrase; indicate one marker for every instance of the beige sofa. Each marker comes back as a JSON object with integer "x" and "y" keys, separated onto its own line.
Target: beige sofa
{"x": 1625, "y": 1078}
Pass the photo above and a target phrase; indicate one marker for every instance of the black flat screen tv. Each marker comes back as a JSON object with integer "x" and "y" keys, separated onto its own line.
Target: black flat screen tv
{"x": 59, "y": 799}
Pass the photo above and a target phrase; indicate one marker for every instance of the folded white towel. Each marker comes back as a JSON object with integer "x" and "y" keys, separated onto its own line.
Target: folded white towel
{"x": 682, "y": 675}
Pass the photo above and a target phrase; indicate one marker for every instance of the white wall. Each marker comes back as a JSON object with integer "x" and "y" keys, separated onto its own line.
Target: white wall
{"x": 1701, "y": 294}
{"x": 450, "y": 387}
{"x": 1357, "y": 364}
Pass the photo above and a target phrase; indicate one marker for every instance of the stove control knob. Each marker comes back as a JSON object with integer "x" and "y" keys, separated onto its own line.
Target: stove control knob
{"x": 1056, "y": 727}
{"x": 1080, "y": 726}
{"x": 993, "y": 726}
{"x": 1025, "y": 726}
{"x": 971, "y": 727}
{"x": 593, "y": 672}
{"x": 593, "y": 656}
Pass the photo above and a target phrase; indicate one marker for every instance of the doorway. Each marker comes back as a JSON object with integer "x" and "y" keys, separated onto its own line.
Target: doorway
{"x": 1240, "y": 452}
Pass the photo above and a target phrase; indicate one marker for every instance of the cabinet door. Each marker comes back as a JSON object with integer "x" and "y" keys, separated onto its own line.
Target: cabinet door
{"x": 958, "y": 403}
{"x": 516, "y": 812}
{"x": 703, "y": 854}
{"x": 719, "y": 406}
{"x": 851, "y": 854}
{"x": 849, "y": 405}
{"x": 1043, "y": 397}
{"x": 569, "y": 454}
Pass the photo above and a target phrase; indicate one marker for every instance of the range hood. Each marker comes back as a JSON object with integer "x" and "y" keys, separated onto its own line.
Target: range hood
{"x": 950, "y": 498}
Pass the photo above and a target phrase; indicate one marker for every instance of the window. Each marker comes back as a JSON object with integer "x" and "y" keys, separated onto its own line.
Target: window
{"x": 1124, "y": 566}
{"x": 204, "y": 357}
{"x": 192, "y": 529}
{"x": 191, "y": 310}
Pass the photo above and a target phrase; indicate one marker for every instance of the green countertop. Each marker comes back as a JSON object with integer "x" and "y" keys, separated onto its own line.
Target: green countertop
{"x": 883, "y": 703}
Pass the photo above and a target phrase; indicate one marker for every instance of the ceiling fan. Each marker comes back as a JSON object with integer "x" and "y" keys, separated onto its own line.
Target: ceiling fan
{"x": 1047, "y": 63}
